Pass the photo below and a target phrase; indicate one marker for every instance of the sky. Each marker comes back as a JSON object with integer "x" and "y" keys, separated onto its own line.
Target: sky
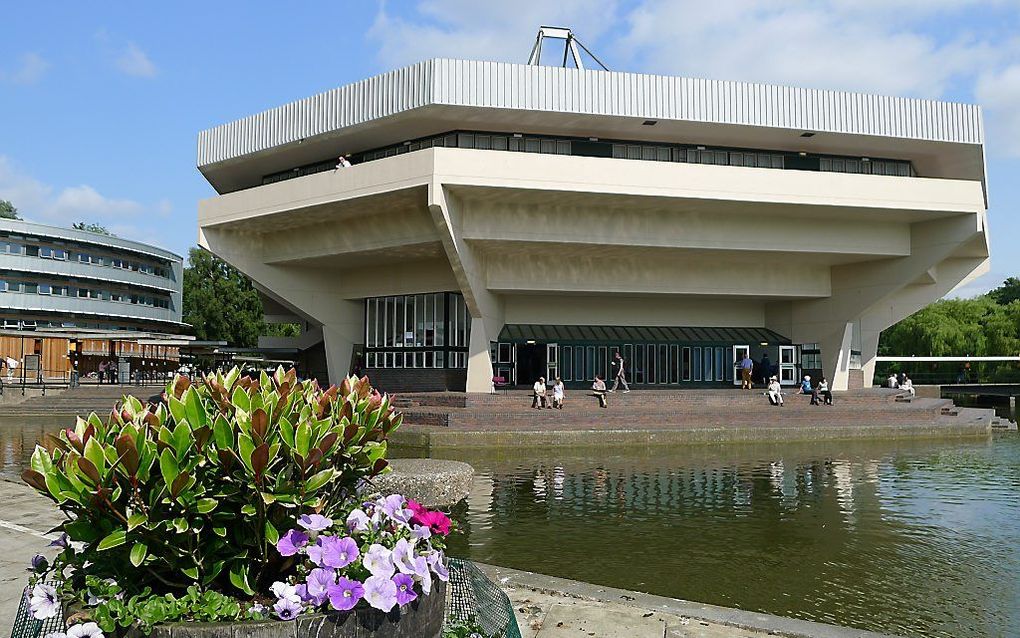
{"x": 101, "y": 103}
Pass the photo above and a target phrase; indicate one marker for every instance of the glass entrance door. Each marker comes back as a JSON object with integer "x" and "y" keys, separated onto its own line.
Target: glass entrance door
{"x": 552, "y": 362}
{"x": 788, "y": 365}
{"x": 739, "y": 352}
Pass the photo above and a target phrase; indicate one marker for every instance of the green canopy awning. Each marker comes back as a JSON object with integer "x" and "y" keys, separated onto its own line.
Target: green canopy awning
{"x": 524, "y": 332}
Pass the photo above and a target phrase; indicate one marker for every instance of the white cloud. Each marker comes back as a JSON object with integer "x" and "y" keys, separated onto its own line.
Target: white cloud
{"x": 41, "y": 202}
{"x": 999, "y": 92}
{"x": 134, "y": 61}
{"x": 29, "y": 69}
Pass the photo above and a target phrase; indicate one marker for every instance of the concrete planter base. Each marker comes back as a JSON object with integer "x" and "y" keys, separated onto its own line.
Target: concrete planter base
{"x": 423, "y": 618}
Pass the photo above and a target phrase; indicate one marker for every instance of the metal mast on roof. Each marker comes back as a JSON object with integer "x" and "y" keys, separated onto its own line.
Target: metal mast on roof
{"x": 569, "y": 47}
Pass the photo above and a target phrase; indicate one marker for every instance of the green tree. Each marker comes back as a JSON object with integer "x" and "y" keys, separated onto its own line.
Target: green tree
{"x": 1007, "y": 293}
{"x": 219, "y": 302}
{"x": 8, "y": 210}
{"x": 93, "y": 228}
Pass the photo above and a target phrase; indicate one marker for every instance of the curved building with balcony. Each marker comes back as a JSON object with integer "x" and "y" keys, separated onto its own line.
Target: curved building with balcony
{"x": 54, "y": 277}
{"x": 517, "y": 221}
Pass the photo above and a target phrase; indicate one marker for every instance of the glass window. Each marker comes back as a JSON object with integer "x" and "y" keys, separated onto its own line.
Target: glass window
{"x": 579, "y": 363}
{"x": 568, "y": 363}
{"x": 719, "y": 364}
{"x": 708, "y": 364}
{"x": 563, "y": 147}
{"x": 30, "y": 287}
{"x": 674, "y": 364}
{"x": 590, "y": 363}
{"x": 652, "y": 375}
{"x": 602, "y": 367}
{"x": 466, "y": 140}
{"x": 440, "y": 320}
{"x": 548, "y": 146}
{"x": 697, "y": 364}
{"x": 45, "y": 289}
{"x": 532, "y": 145}
{"x": 685, "y": 364}
{"x": 498, "y": 143}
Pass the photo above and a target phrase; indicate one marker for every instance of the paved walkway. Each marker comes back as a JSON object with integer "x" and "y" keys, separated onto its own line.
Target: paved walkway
{"x": 25, "y": 519}
{"x": 549, "y": 607}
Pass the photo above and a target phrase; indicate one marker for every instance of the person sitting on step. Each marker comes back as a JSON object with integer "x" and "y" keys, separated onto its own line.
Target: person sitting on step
{"x": 539, "y": 400}
{"x": 823, "y": 389}
{"x": 775, "y": 392}
{"x": 599, "y": 390}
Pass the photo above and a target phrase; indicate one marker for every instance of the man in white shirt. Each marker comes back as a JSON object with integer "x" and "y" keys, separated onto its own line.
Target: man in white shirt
{"x": 539, "y": 394}
{"x": 619, "y": 376}
{"x": 908, "y": 386}
{"x": 342, "y": 162}
{"x": 775, "y": 392}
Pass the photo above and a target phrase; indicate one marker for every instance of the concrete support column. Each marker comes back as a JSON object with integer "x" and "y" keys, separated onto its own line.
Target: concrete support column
{"x": 344, "y": 328}
{"x": 479, "y": 369}
{"x": 869, "y": 351}
{"x": 835, "y": 347}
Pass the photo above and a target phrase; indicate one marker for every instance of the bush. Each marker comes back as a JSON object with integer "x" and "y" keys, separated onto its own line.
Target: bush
{"x": 188, "y": 495}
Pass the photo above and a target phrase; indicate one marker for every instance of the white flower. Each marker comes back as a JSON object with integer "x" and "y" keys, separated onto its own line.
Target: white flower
{"x": 403, "y": 556}
{"x": 285, "y": 591}
{"x": 379, "y": 561}
{"x": 56, "y": 634}
{"x": 44, "y": 602}
{"x": 88, "y": 630}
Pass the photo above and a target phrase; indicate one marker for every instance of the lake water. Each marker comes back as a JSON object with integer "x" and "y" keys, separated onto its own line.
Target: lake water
{"x": 907, "y": 538}
{"x": 913, "y": 538}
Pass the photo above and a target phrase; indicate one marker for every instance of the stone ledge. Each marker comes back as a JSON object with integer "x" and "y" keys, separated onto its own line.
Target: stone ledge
{"x": 431, "y": 482}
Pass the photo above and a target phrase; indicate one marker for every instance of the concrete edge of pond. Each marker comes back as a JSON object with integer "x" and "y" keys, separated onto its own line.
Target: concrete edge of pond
{"x": 425, "y": 437}
{"x": 747, "y": 620}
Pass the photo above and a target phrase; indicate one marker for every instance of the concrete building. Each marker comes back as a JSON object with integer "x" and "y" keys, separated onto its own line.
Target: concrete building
{"x": 64, "y": 278}
{"x": 515, "y": 221}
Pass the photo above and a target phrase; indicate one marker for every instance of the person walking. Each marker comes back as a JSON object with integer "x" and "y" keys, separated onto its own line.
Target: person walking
{"x": 746, "y": 366}
{"x": 539, "y": 400}
{"x": 102, "y": 371}
{"x": 775, "y": 393}
{"x": 599, "y": 390}
{"x": 558, "y": 394}
{"x": 619, "y": 374}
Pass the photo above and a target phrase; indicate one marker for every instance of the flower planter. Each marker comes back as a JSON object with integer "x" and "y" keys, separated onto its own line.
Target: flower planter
{"x": 423, "y": 618}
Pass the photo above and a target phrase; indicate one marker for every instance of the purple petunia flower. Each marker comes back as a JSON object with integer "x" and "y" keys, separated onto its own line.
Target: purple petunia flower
{"x": 291, "y": 542}
{"x": 394, "y": 506}
{"x": 381, "y": 593}
{"x": 39, "y": 563}
{"x": 63, "y": 542}
{"x": 317, "y": 585}
{"x": 426, "y": 581}
{"x": 435, "y": 561}
{"x": 405, "y": 589}
{"x": 338, "y": 552}
{"x": 379, "y": 561}
{"x": 287, "y": 609}
{"x": 44, "y": 603}
{"x": 345, "y": 594}
{"x": 283, "y": 590}
{"x": 314, "y": 522}
{"x": 85, "y": 630}
{"x": 357, "y": 521}
{"x": 403, "y": 556}
{"x": 421, "y": 532}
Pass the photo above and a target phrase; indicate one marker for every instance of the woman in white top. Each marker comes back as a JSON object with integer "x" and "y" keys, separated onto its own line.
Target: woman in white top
{"x": 823, "y": 389}
{"x": 908, "y": 386}
{"x": 558, "y": 393}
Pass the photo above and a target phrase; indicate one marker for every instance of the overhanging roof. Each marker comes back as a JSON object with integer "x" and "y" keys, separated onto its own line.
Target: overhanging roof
{"x": 439, "y": 95}
{"x": 517, "y": 333}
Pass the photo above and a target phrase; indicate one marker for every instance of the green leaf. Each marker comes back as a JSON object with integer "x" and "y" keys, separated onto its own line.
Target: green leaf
{"x": 168, "y": 467}
{"x": 206, "y": 505}
{"x": 239, "y": 577}
{"x": 181, "y": 525}
{"x": 177, "y": 409}
{"x": 138, "y": 553}
{"x": 240, "y": 399}
{"x": 194, "y": 409}
{"x": 222, "y": 433}
{"x": 319, "y": 479}
{"x": 272, "y": 536}
{"x": 41, "y": 461}
{"x": 302, "y": 438}
{"x": 191, "y": 572}
{"x": 287, "y": 431}
{"x": 220, "y": 531}
{"x": 136, "y": 519}
{"x": 114, "y": 539}
{"x": 182, "y": 439}
{"x": 245, "y": 446}
{"x": 249, "y": 510}
{"x": 94, "y": 452}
